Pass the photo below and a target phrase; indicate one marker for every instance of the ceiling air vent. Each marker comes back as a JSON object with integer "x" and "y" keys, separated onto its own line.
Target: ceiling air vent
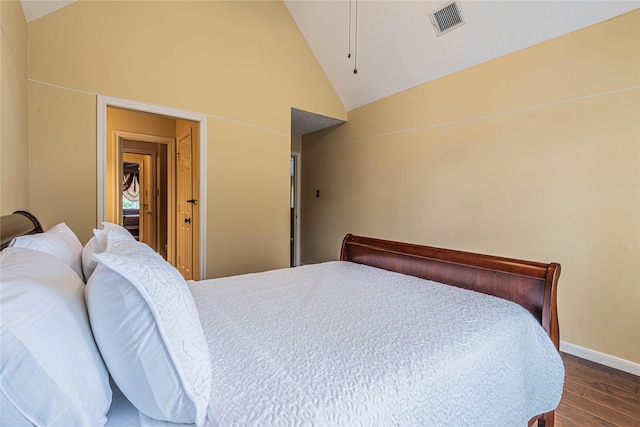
{"x": 446, "y": 18}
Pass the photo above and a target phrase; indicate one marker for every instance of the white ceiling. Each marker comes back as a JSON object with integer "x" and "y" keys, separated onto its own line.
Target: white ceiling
{"x": 398, "y": 49}
{"x": 396, "y": 44}
{"x": 34, "y": 9}
{"x": 304, "y": 122}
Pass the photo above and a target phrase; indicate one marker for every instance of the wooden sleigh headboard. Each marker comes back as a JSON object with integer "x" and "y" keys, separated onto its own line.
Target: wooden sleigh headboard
{"x": 17, "y": 224}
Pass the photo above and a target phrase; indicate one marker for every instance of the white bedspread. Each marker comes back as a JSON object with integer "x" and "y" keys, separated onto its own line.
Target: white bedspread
{"x": 340, "y": 344}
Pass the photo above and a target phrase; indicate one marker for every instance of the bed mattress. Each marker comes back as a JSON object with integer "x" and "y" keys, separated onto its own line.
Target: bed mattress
{"x": 342, "y": 344}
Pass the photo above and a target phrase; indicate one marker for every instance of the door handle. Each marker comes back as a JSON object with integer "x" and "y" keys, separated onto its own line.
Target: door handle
{"x": 194, "y": 201}
{"x": 187, "y": 220}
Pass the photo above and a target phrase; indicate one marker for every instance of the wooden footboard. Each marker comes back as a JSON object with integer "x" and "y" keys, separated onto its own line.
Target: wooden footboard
{"x": 530, "y": 284}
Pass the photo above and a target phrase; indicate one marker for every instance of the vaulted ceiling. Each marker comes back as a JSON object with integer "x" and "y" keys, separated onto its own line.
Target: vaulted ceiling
{"x": 397, "y": 47}
{"x": 394, "y": 46}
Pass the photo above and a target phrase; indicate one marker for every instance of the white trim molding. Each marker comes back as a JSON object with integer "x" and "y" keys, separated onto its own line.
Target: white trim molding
{"x": 297, "y": 206}
{"x": 105, "y": 101}
{"x": 601, "y": 358}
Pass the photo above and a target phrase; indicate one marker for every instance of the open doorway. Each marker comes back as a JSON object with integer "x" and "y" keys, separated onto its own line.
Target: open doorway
{"x": 302, "y": 123}
{"x": 144, "y": 194}
{"x": 131, "y": 195}
{"x": 150, "y": 141}
{"x": 153, "y": 219}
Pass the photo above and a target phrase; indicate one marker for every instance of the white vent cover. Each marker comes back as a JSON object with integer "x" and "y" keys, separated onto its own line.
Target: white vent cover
{"x": 446, "y": 18}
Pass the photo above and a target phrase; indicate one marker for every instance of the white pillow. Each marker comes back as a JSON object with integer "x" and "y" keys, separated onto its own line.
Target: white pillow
{"x": 107, "y": 228}
{"x": 59, "y": 241}
{"x": 52, "y": 373}
{"x": 89, "y": 264}
{"x": 98, "y": 244}
{"x": 148, "y": 330}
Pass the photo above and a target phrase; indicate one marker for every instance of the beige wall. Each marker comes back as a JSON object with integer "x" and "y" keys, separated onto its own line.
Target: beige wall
{"x": 62, "y": 175}
{"x": 533, "y": 155}
{"x": 243, "y": 64}
{"x": 14, "y": 144}
{"x": 296, "y": 142}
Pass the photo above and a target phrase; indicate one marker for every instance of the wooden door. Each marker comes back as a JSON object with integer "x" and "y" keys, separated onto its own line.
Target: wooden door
{"x": 148, "y": 192}
{"x": 185, "y": 204}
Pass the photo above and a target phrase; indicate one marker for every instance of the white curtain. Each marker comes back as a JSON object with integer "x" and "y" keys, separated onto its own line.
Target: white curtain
{"x": 131, "y": 187}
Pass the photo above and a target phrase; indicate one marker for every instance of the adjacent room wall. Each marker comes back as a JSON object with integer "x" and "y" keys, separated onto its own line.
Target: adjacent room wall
{"x": 243, "y": 64}
{"x": 534, "y": 155}
{"x": 14, "y": 145}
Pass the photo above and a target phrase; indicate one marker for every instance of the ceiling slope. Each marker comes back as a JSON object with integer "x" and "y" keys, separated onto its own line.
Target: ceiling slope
{"x": 397, "y": 47}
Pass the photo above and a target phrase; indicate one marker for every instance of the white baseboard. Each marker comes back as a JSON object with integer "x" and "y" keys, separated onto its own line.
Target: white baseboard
{"x": 601, "y": 358}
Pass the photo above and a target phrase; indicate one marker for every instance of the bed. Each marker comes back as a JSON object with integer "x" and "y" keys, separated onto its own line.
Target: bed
{"x": 388, "y": 335}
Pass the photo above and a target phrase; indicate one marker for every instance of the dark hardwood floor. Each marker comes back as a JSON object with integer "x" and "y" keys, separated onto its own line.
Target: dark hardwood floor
{"x": 596, "y": 395}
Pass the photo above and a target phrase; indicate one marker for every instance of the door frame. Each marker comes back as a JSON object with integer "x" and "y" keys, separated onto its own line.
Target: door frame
{"x": 119, "y": 150}
{"x": 120, "y": 137}
{"x": 297, "y": 175}
{"x": 101, "y": 141}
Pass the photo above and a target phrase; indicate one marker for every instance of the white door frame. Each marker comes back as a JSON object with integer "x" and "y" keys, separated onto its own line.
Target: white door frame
{"x": 105, "y": 101}
{"x": 296, "y": 207}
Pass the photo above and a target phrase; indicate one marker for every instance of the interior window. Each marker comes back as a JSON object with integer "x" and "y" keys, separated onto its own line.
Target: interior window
{"x": 128, "y": 204}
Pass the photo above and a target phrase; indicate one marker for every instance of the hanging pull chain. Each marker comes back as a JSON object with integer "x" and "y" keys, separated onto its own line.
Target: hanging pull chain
{"x": 355, "y": 47}
{"x": 355, "y": 44}
{"x": 349, "y": 54}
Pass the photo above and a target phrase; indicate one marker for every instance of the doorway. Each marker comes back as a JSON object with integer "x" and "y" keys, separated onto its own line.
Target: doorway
{"x": 115, "y": 140}
{"x": 131, "y": 169}
{"x": 155, "y": 215}
{"x": 144, "y": 191}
